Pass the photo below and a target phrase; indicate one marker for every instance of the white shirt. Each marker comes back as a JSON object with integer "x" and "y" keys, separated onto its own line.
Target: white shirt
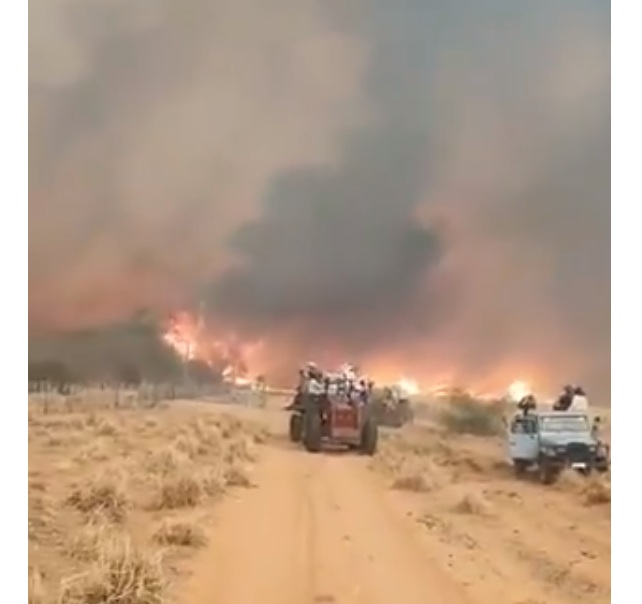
{"x": 580, "y": 403}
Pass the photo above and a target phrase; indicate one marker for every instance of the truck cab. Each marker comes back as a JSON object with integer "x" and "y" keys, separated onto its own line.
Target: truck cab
{"x": 549, "y": 441}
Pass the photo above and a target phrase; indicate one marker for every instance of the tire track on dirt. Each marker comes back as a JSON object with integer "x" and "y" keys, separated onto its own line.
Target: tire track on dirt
{"x": 315, "y": 530}
{"x": 261, "y": 543}
{"x": 390, "y": 563}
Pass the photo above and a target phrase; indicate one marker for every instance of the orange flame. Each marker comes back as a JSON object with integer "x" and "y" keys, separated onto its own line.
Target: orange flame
{"x": 195, "y": 340}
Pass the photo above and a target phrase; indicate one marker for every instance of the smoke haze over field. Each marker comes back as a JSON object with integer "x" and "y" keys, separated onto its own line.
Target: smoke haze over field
{"x": 424, "y": 184}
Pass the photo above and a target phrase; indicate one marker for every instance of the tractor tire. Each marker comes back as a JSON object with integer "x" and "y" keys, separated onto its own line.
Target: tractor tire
{"x": 312, "y": 435}
{"x": 369, "y": 436}
{"x": 296, "y": 427}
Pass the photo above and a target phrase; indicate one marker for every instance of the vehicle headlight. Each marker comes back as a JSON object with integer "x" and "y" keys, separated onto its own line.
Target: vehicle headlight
{"x": 548, "y": 450}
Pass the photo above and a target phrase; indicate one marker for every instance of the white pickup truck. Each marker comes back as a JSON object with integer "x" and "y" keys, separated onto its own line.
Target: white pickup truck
{"x": 550, "y": 441}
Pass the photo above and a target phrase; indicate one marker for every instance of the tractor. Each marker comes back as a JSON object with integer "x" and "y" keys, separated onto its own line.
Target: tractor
{"x": 321, "y": 415}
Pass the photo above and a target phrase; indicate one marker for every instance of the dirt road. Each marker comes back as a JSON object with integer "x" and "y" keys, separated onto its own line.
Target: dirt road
{"x": 327, "y": 529}
{"x": 316, "y": 529}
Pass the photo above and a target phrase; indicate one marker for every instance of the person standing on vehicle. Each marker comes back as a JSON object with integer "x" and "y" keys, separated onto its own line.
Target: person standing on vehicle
{"x": 580, "y": 401}
{"x": 527, "y": 403}
{"x": 565, "y": 400}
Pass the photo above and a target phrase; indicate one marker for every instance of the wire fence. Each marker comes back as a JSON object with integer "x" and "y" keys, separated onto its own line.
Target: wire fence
{"x": 51, "y": 397}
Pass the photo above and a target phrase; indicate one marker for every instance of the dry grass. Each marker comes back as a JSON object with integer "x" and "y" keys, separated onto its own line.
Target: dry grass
{"x": 42, "y": 517}
{"x": 238, "y": 476}
{"x": 178, "y": 491}
{"x": 591, "y": 491}
{"x": 180, "y": 533}
{"x": 456, "y": 469}
{"x": 121, "y": 574}
{"x": 472, "y": 504}
{"x": 85, "y": 544}
{"x": 463, "y": 414}
{"x": 406, "y": 459}
{"x": 36, "y": 591}
{"x": 417, "y": 483}
{"x": 101, "y": 497}
{"x": 103, "y": 484}
{"x": 597, "y": 492}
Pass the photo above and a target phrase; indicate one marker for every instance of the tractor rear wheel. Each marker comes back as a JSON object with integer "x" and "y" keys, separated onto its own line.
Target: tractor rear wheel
{"x": 296, "y": 427}
{"x": 369, "y": 436}
{"x": 312, "y": 430}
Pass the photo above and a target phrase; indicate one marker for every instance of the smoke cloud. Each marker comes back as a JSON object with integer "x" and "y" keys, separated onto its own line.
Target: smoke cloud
{"x": 424, "y": 186}
{"x": 155, "y": 129}
{"x": 469, "y": 228}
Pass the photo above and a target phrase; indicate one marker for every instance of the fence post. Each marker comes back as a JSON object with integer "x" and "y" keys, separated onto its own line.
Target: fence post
{"x": 45, "y": 407}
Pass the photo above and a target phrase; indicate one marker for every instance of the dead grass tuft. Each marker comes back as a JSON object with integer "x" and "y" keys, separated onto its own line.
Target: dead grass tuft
{"x": 596, "y": 492}
{"x": 188, "y": 445}
{"x": 41, "y": 517}
{"x": 36, "y": 484}
{"x": 178, "y": 490}
{"x": 464, "y": 414}
{"x": 54, "y": 441}
{"x": 416, "y": 483}
{"x": 85, "y": 544}
{"x": 151, "y": 423}
{"x": 37, "y": 593}
{"x": 230, "y": 426}
{"x": 121, "y": 574}
{"x": 472, "y": 504}
{"x": 213, "y": 483}
{"x": 238, "y": 476}
{"x": 165, "y": 461}
{"x": 180, "y": 533}
{"x": 106, "y": 428}
{"x": 240, "y": 449}
{"x": 592, "y": 490}
{"x": 97, "y": 450}
{"x": 105, "y": 498}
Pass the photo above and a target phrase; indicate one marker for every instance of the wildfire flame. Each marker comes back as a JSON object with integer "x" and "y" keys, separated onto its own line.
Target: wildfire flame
{"x": 518, "y": 390}
{"x": 408, "y": 386}
{"x": 195, "y": 340}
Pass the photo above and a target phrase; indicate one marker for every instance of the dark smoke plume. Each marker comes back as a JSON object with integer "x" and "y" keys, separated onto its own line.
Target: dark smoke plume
{"x": 421, "y": 181}
{"x": 156, "y": 126}
{"x": 493, "y": 122}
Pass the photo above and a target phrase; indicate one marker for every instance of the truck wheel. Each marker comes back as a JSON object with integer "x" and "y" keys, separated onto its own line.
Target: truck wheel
{"x": 312, "y": 430}
{"x": 296, "y": 427}
{"x": 548, "y": 473}
{"x": 520, "y": 467}
{"x": 369, "y": 436}
{"x": 601, "y": 466}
